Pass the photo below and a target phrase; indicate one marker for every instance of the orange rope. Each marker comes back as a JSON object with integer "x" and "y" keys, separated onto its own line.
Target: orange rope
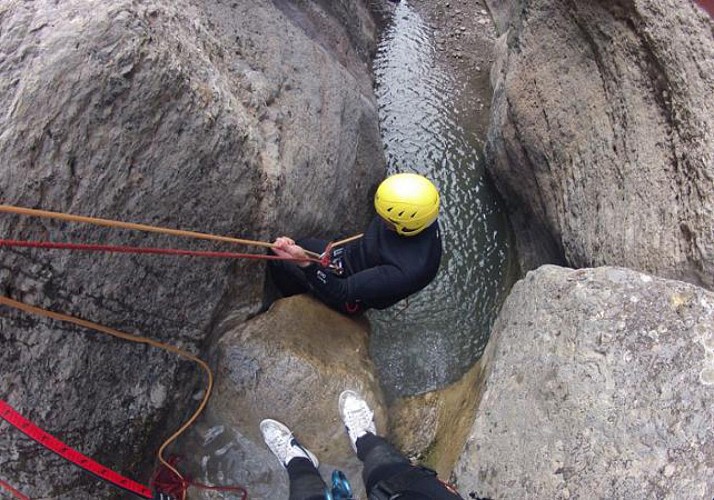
{"x": 347, "y": 240}
{"x": 132, "y": 338}
{"x": 130, "y": 225}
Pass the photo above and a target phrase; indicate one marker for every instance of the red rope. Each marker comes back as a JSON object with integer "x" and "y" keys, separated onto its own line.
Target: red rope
{"x": 13, "y": 491}
{"x": 86, "y": 247}
{"x": 166, "y": 480}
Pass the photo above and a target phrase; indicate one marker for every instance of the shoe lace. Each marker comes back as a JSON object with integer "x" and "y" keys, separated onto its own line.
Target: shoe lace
{"x": 281, "y": 441}
{"x": 359, "y": 414}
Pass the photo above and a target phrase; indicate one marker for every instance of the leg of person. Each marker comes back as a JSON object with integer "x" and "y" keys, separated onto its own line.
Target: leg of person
{"x": 380, "y": 458}
{"x": 337, "y": 259}
{"x": 386, "y": 471}
{"x": 301, "y": 463}
{"x": 305, "y": 480}
{"x": 287, "y": 278}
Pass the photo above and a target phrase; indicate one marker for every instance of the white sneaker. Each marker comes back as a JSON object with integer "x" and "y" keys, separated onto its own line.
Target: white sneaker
{"x": 358, "y": 418}
{"x": 283, "y": 444}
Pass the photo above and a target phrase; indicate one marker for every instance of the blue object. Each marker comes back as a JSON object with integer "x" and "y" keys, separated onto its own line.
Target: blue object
{"x": 341, "y": 489}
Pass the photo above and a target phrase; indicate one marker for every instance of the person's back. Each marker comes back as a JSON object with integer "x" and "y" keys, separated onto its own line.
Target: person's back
{"x": 406, "y": 265}
{"x": 398, "y": 255}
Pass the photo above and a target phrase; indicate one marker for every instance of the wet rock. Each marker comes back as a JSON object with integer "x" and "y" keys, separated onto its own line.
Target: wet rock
{"x": 431, "y": 428}
{"x": 210, "y": 116}
{"x": 600, "y": 135}
{"x": 289, "y": 364}
{"x": 598, "y": 385}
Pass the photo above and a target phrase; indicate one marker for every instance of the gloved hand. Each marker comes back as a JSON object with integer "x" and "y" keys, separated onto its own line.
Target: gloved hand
{"x": 163, "y": 496}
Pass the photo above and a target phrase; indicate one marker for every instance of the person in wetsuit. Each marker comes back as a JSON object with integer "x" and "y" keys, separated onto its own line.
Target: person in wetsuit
{"x": 387, "y": 474}
{"x": 398, "y": 255}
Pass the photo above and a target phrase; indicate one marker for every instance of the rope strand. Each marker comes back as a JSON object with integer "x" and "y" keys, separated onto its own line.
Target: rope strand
{"x": 90, "y": 247}
{"x": 133, "y": 226}
{"x": 132, "y": 338}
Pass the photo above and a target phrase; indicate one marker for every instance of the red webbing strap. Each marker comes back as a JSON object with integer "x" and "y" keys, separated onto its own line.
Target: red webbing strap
{"x": 50, "y": 442}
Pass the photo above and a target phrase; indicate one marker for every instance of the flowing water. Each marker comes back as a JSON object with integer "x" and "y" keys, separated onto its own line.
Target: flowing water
{"x": 444, "y": 328}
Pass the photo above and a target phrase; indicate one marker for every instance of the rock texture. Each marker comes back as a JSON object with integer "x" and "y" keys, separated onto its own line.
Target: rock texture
{"x": 205, "y": 115}
{"x": 599, "y": 386}
{"x": 289, "y": 364}
{"x": 601, "y": 135}
{"x": 431, "y": 428}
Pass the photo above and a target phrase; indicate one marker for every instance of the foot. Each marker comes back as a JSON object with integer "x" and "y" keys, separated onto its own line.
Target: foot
{"x": 283, "y": 444}
{"x": 358, "y": 418}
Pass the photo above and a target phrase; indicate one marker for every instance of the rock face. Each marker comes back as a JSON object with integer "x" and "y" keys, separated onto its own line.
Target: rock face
{"x": 601, "y": 135}
{"x": 289, "y": 364}
{"x": 205, "y": 115}
{"x": 600, "y": 386}
{"x": 431, "y": 428}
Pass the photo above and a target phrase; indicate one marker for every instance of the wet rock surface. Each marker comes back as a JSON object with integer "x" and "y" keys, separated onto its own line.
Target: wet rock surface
{"x": 599, "y": 385}
{"x": 211, "y": 116}
{"x": 600, "y": 139}
{"x": 431, "y": 428}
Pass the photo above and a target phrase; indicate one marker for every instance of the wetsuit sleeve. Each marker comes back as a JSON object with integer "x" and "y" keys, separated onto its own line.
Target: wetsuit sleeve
{"x": 376, "y": 283}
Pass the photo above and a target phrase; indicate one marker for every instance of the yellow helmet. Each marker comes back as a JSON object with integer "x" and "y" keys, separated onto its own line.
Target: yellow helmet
{"x": 409, "y": 201}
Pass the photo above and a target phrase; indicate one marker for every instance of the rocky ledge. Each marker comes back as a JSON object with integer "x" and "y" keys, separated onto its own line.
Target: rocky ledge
{"x": 599, "y": 385}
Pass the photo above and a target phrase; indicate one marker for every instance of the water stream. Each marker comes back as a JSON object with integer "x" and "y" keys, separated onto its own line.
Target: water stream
{"x": 444, "y": 328}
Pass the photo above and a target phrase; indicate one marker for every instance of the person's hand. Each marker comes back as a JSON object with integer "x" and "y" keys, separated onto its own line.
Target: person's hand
{"x": 285, "y": 247}
{"x": 163, "y": 496}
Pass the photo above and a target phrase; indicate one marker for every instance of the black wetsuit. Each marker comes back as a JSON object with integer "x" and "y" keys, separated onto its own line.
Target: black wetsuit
{"x": 379, "y": 269}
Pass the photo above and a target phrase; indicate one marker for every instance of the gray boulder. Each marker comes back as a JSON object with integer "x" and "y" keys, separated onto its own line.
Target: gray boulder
{"x": 245, "y": 118}
{"x": 600, "y": 138}
{"x": 599, "y": 385}
{"x": 289, "y": 364}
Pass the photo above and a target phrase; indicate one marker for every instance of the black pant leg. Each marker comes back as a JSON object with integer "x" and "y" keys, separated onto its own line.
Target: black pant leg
{"x": 305, "y": 480}
{"x": 381, "y": 460}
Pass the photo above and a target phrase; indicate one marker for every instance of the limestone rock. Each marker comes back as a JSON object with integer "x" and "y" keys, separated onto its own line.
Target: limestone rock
{"x": 211, "y": 116}
{"x": 601, "y": 134}
{"x": 599, "y": 385}
{"x": 289, "y": 364}
{"x": 432, "y": 428}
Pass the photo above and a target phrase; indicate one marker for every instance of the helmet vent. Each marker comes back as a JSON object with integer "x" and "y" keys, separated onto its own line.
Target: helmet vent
{"x": 414, "y": 215}
{"x": 390, "y": 209}
{"x": 401, "y": 213}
